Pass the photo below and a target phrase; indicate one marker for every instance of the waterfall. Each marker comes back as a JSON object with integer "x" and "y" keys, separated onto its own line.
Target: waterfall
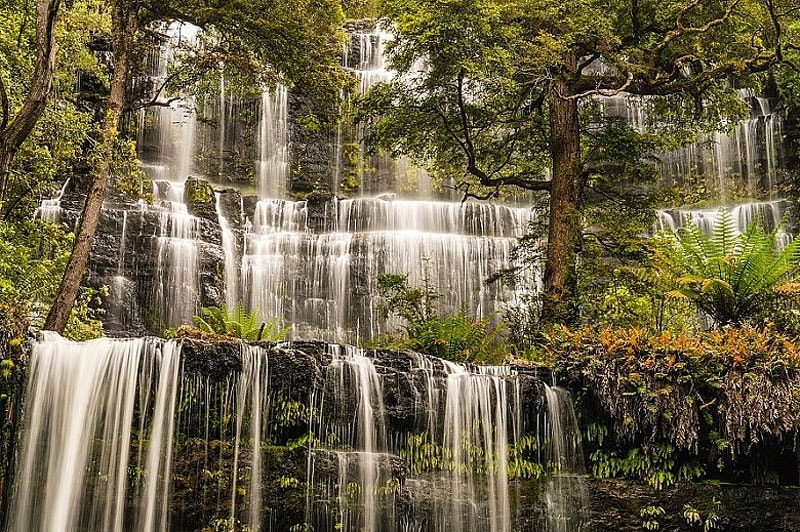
{"x": 177, "y": 285}
{"x": 167, "y": 134}
{"x": 50, "y": 209}
{"x": 565, "y": 494}
{"x": 313, "y": 263}
{"x": 121, "y": 303}
{"x": 308, "y": 275}
{"x": 771, "y": 214}
{"x": 371, "y": 66}
{"x": 747, "y": 158}
{"x": 81, "y": 407}
{"x": 231, "y": 259}
{"x": 148, "y": 434}
{"x": 272, "y": 167}
{"x": 476, "y": 418}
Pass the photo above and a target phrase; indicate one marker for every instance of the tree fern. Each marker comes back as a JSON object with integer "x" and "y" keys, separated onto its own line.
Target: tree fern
{"x": 728, "y": 275}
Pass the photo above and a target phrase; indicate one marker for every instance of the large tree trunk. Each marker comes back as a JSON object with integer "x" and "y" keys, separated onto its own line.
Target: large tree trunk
{"x": 12, "y": 137}
{"x": 564, "y": 231}
{"x": 123, "y": 30}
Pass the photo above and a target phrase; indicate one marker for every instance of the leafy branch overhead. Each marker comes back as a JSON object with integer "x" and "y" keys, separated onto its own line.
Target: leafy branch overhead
{"x": 505, "y": 94}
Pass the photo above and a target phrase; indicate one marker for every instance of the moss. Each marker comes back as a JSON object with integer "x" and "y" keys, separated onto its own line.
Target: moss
{"x": 198, "y": 191}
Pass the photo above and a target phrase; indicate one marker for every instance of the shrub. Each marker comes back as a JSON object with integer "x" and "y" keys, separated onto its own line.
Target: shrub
{"x": 458, "y": 337}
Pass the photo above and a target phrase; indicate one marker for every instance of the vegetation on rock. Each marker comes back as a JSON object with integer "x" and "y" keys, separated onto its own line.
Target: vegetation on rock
{"x": 457, "y": 337}
{"x": 238, "y": 323}
{"x": 676, "y": 407}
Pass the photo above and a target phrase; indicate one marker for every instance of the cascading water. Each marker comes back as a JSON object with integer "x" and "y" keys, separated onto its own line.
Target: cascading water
{"x": 566, "y": 497}
{"x": 50, "y": 209}
{"x": 771, "y": 214}
{"x": 364, "y": 57}
{"x": 83, "y": 401}
{"x": 231, "y": 265}
{"x": 272, "y": 166}
{"x": 312, "y": 277}
{"x": 177, "y": 267}
{"x": 746, "y": 159}
{"x": 314, "y": 264}
{"x": 147, "y": 434}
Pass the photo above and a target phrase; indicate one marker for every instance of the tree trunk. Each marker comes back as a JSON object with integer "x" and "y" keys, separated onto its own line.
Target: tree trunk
{"x": 564, "y": 231}
{"x": 123, "y": 30}
{"x": 12, "y": 137}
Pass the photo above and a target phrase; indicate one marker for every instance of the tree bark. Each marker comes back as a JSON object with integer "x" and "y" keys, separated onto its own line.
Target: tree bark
{"x": 124, "y": 27}
{"x": 12, "y": 137}
{"x": 564, "y": 231}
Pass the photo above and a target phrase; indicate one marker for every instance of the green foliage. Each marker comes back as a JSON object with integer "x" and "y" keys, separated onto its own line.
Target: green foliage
{"x": 56, "y": 145}
{"x": 457, "y": 337}
{"x": 729, "y": 276}
{"x": 673, "y": 407}
{"x": 295, "y": 43}
{"x": 650, "y": 515}
{"x": 422, "y": 455}
{"x": 659, "y": 464}
{"x": 289, "y": 413}
{"x": 84, "y": 322}
{"x": 707, "y": 518}
{"x": 128, "y": 179}
{"x": 482, "y": 100}
{"x": 32, "y": 258}
{"x": 240, "y": 324}
{"x": 359, "y": 9}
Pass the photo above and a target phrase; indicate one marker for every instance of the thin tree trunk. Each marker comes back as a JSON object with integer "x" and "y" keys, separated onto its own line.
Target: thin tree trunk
{"x": 564, "y": 231}
{"x": 12, "y": 137}
{"x": 123, "y": 30}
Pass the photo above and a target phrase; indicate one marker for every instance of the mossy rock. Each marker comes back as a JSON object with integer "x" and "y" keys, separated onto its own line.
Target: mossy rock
{"x": 199, "y": 198}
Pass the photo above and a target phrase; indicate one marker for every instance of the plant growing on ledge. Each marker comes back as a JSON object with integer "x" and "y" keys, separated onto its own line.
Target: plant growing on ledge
{"x": 240, "y": 324}
{"x": 730, "y": 276}
{"x": 457, "y": 337}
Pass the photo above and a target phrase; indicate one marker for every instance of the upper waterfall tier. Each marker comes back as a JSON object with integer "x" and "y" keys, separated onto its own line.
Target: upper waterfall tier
{"x": 382, "y": 214}
{"x": 746, "y": 159}
{"x": 314, "y": 264}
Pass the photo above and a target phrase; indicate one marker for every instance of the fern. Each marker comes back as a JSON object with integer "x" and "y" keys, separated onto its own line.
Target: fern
{"x": 240, "y": 324}
{"x": 728, "y": 275}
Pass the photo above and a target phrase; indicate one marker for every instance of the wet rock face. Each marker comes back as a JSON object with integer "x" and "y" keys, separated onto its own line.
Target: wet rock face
{"x": 312, "y": 149}
{"x": 125, "y": 259}
{"x": 298, "y": 370}
{"x": 616, "y": 505}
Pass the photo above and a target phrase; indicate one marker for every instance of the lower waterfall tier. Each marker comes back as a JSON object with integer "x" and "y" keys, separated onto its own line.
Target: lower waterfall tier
{"x": 148, "y": 434}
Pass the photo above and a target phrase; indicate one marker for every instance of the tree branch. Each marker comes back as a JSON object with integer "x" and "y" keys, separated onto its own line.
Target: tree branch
{"x": 3, "y": 104}
{"x": 602, "y": 92}
{"x": 681, "y": 30}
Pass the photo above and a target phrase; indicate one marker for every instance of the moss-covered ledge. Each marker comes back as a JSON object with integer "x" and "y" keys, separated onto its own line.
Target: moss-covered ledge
{"x": 666, "y": 409}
